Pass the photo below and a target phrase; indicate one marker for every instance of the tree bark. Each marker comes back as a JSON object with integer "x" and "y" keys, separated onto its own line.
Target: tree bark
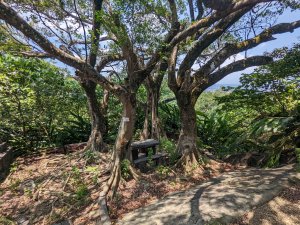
{"x": 156, "y": 128}
{"x": 104, "y": 111}
{"x": 121, "y": 150}
{"x": 95, "y": 142}
{"x": 126, "y": 128}
{"x": 145, "y": 132}
{"x": 151, "y": 110}
{"x": 186, "y": 146}
{"x": 153, "y": 93}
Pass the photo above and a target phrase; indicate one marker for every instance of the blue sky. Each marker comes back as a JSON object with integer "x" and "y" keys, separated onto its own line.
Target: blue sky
{"x": 286, "y": 39}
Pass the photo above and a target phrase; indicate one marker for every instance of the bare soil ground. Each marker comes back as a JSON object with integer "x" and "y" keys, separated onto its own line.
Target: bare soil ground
{"x": 47, "y": 188}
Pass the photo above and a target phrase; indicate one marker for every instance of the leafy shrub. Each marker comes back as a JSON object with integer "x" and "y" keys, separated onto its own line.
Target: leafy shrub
{"x": 90, "y": 156}
{"x": 163, "y": 171}
{"x": 94, "y": 170}
{"x": 150, "y": 161}
{"x": 6, "y": 221}
{"x": 265, "y": 108}
{"x": 169, "y": 147}
{"x": 216, "y": 132}
{"x": 169, "y": 115}
{"x": 35, "y": 114}
{"x": 76, "y": 129}
{"x": 125, "y": 171}
{"x": 81, "y": 192}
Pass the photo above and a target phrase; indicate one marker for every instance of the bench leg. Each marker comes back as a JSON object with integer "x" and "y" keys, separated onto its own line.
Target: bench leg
{"x": 135, "y": 154}
{"x": 154, "y": 150}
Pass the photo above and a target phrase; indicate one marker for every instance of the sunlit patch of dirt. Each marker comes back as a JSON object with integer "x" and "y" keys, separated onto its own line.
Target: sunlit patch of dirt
{"x": 47, "y": 188}
{"x": 282, "y": 210}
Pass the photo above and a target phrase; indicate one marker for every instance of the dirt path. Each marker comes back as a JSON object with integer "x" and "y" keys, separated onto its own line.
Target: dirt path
{"x": 218, "y": 201}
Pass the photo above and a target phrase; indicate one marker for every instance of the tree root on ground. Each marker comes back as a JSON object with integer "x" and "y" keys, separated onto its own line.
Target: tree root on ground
{"x": 136, "y": 175}
{"x": 189, "y": 160}
{"x": 108, "y": 191}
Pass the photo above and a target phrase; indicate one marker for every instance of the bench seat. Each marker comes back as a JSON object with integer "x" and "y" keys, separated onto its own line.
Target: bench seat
{"x": 144, "y": 144}
{"x": 154, "y": 157}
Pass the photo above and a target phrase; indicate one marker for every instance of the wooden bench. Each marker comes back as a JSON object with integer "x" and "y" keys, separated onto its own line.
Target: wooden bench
{"x": 142, "y": 147}
{"x": 140, "y": 151}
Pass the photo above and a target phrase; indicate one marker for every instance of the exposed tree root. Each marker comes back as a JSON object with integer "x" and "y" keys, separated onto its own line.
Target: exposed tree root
{"x": 95, "y": 142}
{"x": 134, "y": 173}
{"x": 190, "y": 158}
{"x": 109, "y": 191}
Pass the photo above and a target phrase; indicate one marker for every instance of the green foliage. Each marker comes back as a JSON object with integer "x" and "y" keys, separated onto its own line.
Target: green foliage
{"x": 35, "y": 114}
{"x": 114, "y": 113}
{"x": 81, "y": 193}
{"x": 170, "y": 118}
{"x": 80, "y": 188}
{"x": 90, "y": 156}
{"x": 125, "y": 169}
{"x": 216, "y": 131}
{"x": 13, "y": 167}
{"x": 265, "y": 108}
{"x": 94, "y": 170}
{"x": 15, "y": 185}
{"x": 77, "y": 130}
{"x": 150, "y": 161}
{"x": 6, "y": 221}
{"x": 163, "y": 171}
{"x": 269, "y": 90}
{"x": 208, "y": 103}
{"x": 169, "y": 147}
{"x": 9, "y": 44}
{"x": 273, "y": 160}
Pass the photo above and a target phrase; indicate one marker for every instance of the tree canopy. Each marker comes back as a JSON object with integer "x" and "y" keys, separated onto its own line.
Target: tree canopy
{"x": 123, "y": 45}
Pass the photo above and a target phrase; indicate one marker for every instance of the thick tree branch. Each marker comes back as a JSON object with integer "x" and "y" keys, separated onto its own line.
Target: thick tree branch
{"x": 86, "y": 71}
{"x": 33, "y": 54}
{"x": 200, "y": 9}
{"x": 235, "y": 67}
{"x": 163, "y": 48}
{"x": 106, "y": 60}
{"x": 173, "y": 38}
{"x": 207, "y": 39}
{"x": 234, "y": 48}
{"x": 205, "y": 22}
{"x": 191, "y": 7}
{"x": 11, "y": 17}
{"x": 133, "y": 65}
{"x": 97, "y": 4}
{"x": 84, "y": 32}
{"x": 172, "y": 70}
{"x": 174, "y": 16}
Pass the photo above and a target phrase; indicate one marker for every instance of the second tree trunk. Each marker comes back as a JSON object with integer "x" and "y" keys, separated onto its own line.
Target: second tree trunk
{"x": 98, "y": 127}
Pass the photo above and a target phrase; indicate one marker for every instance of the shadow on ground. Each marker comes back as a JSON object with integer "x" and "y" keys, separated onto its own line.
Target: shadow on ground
{"x": 220, "y": 200}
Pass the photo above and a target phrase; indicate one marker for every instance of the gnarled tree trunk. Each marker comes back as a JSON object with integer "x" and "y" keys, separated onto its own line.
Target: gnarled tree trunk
{"x": 156, "y": 130}
{"x": 153, "y": 92}
{"x": 121, "y": 149}
{"x": 98, "y": 127}
{"x": 186, "y": 146}
{"x": 145, "y": 132}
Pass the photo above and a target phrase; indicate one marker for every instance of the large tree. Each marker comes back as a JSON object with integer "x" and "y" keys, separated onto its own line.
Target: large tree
{"x": 128, "y": 34}
{"x": 201, "y": 65}
{"x": 60, "y": 21}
